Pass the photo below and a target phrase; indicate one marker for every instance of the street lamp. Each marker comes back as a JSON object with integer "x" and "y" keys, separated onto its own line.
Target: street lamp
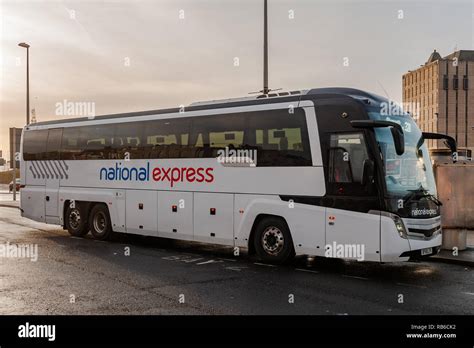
{"x": 25, "y": 45}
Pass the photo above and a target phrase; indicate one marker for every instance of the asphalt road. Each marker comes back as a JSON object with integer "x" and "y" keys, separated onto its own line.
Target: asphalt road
{"x": 83, "y": 276}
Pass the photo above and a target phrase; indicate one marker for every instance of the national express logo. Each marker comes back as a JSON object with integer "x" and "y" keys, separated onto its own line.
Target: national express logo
{"x": 171, "y": 175}
{"x": 424, "y": 212}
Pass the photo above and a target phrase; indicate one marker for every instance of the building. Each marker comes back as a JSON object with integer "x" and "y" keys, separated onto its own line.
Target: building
{"x": 441, "y": 100}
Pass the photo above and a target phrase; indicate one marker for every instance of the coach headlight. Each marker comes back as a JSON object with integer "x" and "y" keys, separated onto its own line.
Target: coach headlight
{"x": 399, "y": 225}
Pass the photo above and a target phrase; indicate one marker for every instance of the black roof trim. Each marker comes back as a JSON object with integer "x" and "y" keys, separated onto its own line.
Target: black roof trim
{"x": 316, "y": 93}
{"x": 175, "y": 110}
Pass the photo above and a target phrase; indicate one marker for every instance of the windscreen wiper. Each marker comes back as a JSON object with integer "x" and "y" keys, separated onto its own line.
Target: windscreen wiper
{"x": 421, "y": 192}
{"x": 413, "y": 195}
{"x": 434, "y": 199}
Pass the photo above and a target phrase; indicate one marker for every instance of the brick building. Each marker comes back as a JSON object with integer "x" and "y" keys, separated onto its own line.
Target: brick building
{"x": 441, "y": 99}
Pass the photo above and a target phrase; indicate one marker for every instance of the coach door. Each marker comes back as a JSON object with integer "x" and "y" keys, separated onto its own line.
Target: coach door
{"x": 54, "y": 174}
{"x": 349, "y": 225}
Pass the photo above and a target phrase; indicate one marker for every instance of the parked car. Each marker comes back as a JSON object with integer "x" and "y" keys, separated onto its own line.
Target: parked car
{"x": 10, "y": 187}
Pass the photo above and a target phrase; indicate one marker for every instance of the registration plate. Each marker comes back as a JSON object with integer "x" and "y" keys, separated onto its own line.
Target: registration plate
{"x": 426, "y": 251}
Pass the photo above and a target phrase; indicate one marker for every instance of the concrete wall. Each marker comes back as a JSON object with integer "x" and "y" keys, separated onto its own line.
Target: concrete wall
{"x": 455, "y": 183}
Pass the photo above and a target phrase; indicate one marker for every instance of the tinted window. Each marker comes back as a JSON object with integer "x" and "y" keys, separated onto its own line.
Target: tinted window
{"x": 34, "y": 144}
{"x": 211, "y": 133}
{"x": 127, "y": 140}
{"x": 280, "y": 138}
{"x": 97, "y": 141}
{"x": 53, "y": 145}
{"x": 167, "y": 139}
{"x": 71, "y": 149}
{"x": 90, "y": 142}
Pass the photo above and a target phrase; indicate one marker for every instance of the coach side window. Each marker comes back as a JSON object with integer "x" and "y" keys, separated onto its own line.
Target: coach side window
{"x": 70, "y": 147}
{"x": 87, "y": 142}
{"x": 281, "y": 138}
{"x": 213, "y": 133}
{"x": 53, "y": 145}
{"x": 167, "y": 138}
{"x": 127, "y": 140}
{"x": 34, "y": 144}
{"x": 347, "y": 154}
{"x": 97, "y": 141}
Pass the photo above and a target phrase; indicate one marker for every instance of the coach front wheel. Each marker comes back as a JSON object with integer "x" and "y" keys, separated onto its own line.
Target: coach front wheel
{"x": 272, "y": 241}
{"x": 99, "y": 221}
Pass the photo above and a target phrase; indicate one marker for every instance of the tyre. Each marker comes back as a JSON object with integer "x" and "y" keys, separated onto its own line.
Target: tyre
{"x": 99, "y": 221}
{"x": 272, "y": 241}
{"x": 76, "y": 221}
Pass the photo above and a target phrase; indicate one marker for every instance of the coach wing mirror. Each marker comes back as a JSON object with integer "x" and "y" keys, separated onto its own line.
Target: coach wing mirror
{"x": 368, "y": 172}
{"x": 449, "y": 141}
{"x": 395, "y": 129}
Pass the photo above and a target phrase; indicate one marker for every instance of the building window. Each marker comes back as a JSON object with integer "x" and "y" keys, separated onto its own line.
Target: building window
{"x": 455, "y": 82}
{"x": 465, "y": 83}
{"x": 445, "y": 82}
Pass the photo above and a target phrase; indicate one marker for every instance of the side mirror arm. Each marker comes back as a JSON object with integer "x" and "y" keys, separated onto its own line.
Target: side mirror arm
{"x": 450, "y": 142}
{"x": 395, "y": 129}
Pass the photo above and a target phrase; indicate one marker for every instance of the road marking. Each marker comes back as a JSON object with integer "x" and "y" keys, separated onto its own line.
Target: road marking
{"x": 208, "y": 262}
{"x": 172, "y": 258}
{"x": 192, "y": 260}
{"x": 237, "y": 269}
{"x": 76, "y": 237}
{"x": 305, "y": 270}
{"x": 233, "y": 260}
{"x": 263, "y": 264}
{"x": 412, "y": 285}
{"x": 355, "y": 277}
{"x": 469, "y": 293}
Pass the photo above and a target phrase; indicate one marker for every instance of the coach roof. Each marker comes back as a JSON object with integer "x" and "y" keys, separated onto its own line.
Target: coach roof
{"x": 292, "y": 96}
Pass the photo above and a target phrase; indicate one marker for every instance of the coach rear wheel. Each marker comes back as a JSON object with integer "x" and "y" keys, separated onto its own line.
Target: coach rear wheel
{"x": 76, "y": 221}
{"x": 272, "y": 241}
{"x": 99, "y": 222}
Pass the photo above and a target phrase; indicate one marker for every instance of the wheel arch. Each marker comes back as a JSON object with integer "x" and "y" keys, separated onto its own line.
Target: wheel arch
{"x": 258, "y": 218}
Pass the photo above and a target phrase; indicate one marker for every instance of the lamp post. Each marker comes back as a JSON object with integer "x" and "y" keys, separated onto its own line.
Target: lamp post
{"x": 265, "y": 90}
{"x": 25, "y": 45}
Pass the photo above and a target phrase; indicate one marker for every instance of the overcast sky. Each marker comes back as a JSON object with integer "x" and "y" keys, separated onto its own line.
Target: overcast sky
{"x": 138, "y": 55}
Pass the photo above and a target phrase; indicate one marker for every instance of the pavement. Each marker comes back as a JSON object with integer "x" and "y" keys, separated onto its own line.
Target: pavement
{"x": 144, "y": 275}
{"x": 464, "y": 257}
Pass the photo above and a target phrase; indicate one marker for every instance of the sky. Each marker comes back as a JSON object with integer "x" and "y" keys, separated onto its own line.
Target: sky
{"x": 122, "y": 56}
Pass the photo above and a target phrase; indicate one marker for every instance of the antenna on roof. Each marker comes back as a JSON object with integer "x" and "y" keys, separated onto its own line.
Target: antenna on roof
{"x": 384, "y": 90}
{"x": 265, "y": 89}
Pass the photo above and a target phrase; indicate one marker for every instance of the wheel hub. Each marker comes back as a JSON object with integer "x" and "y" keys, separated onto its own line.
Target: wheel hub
{"x": 74, "y": 218}
{"x": 100, "y": 222}
{"x": 272, "y": 240}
